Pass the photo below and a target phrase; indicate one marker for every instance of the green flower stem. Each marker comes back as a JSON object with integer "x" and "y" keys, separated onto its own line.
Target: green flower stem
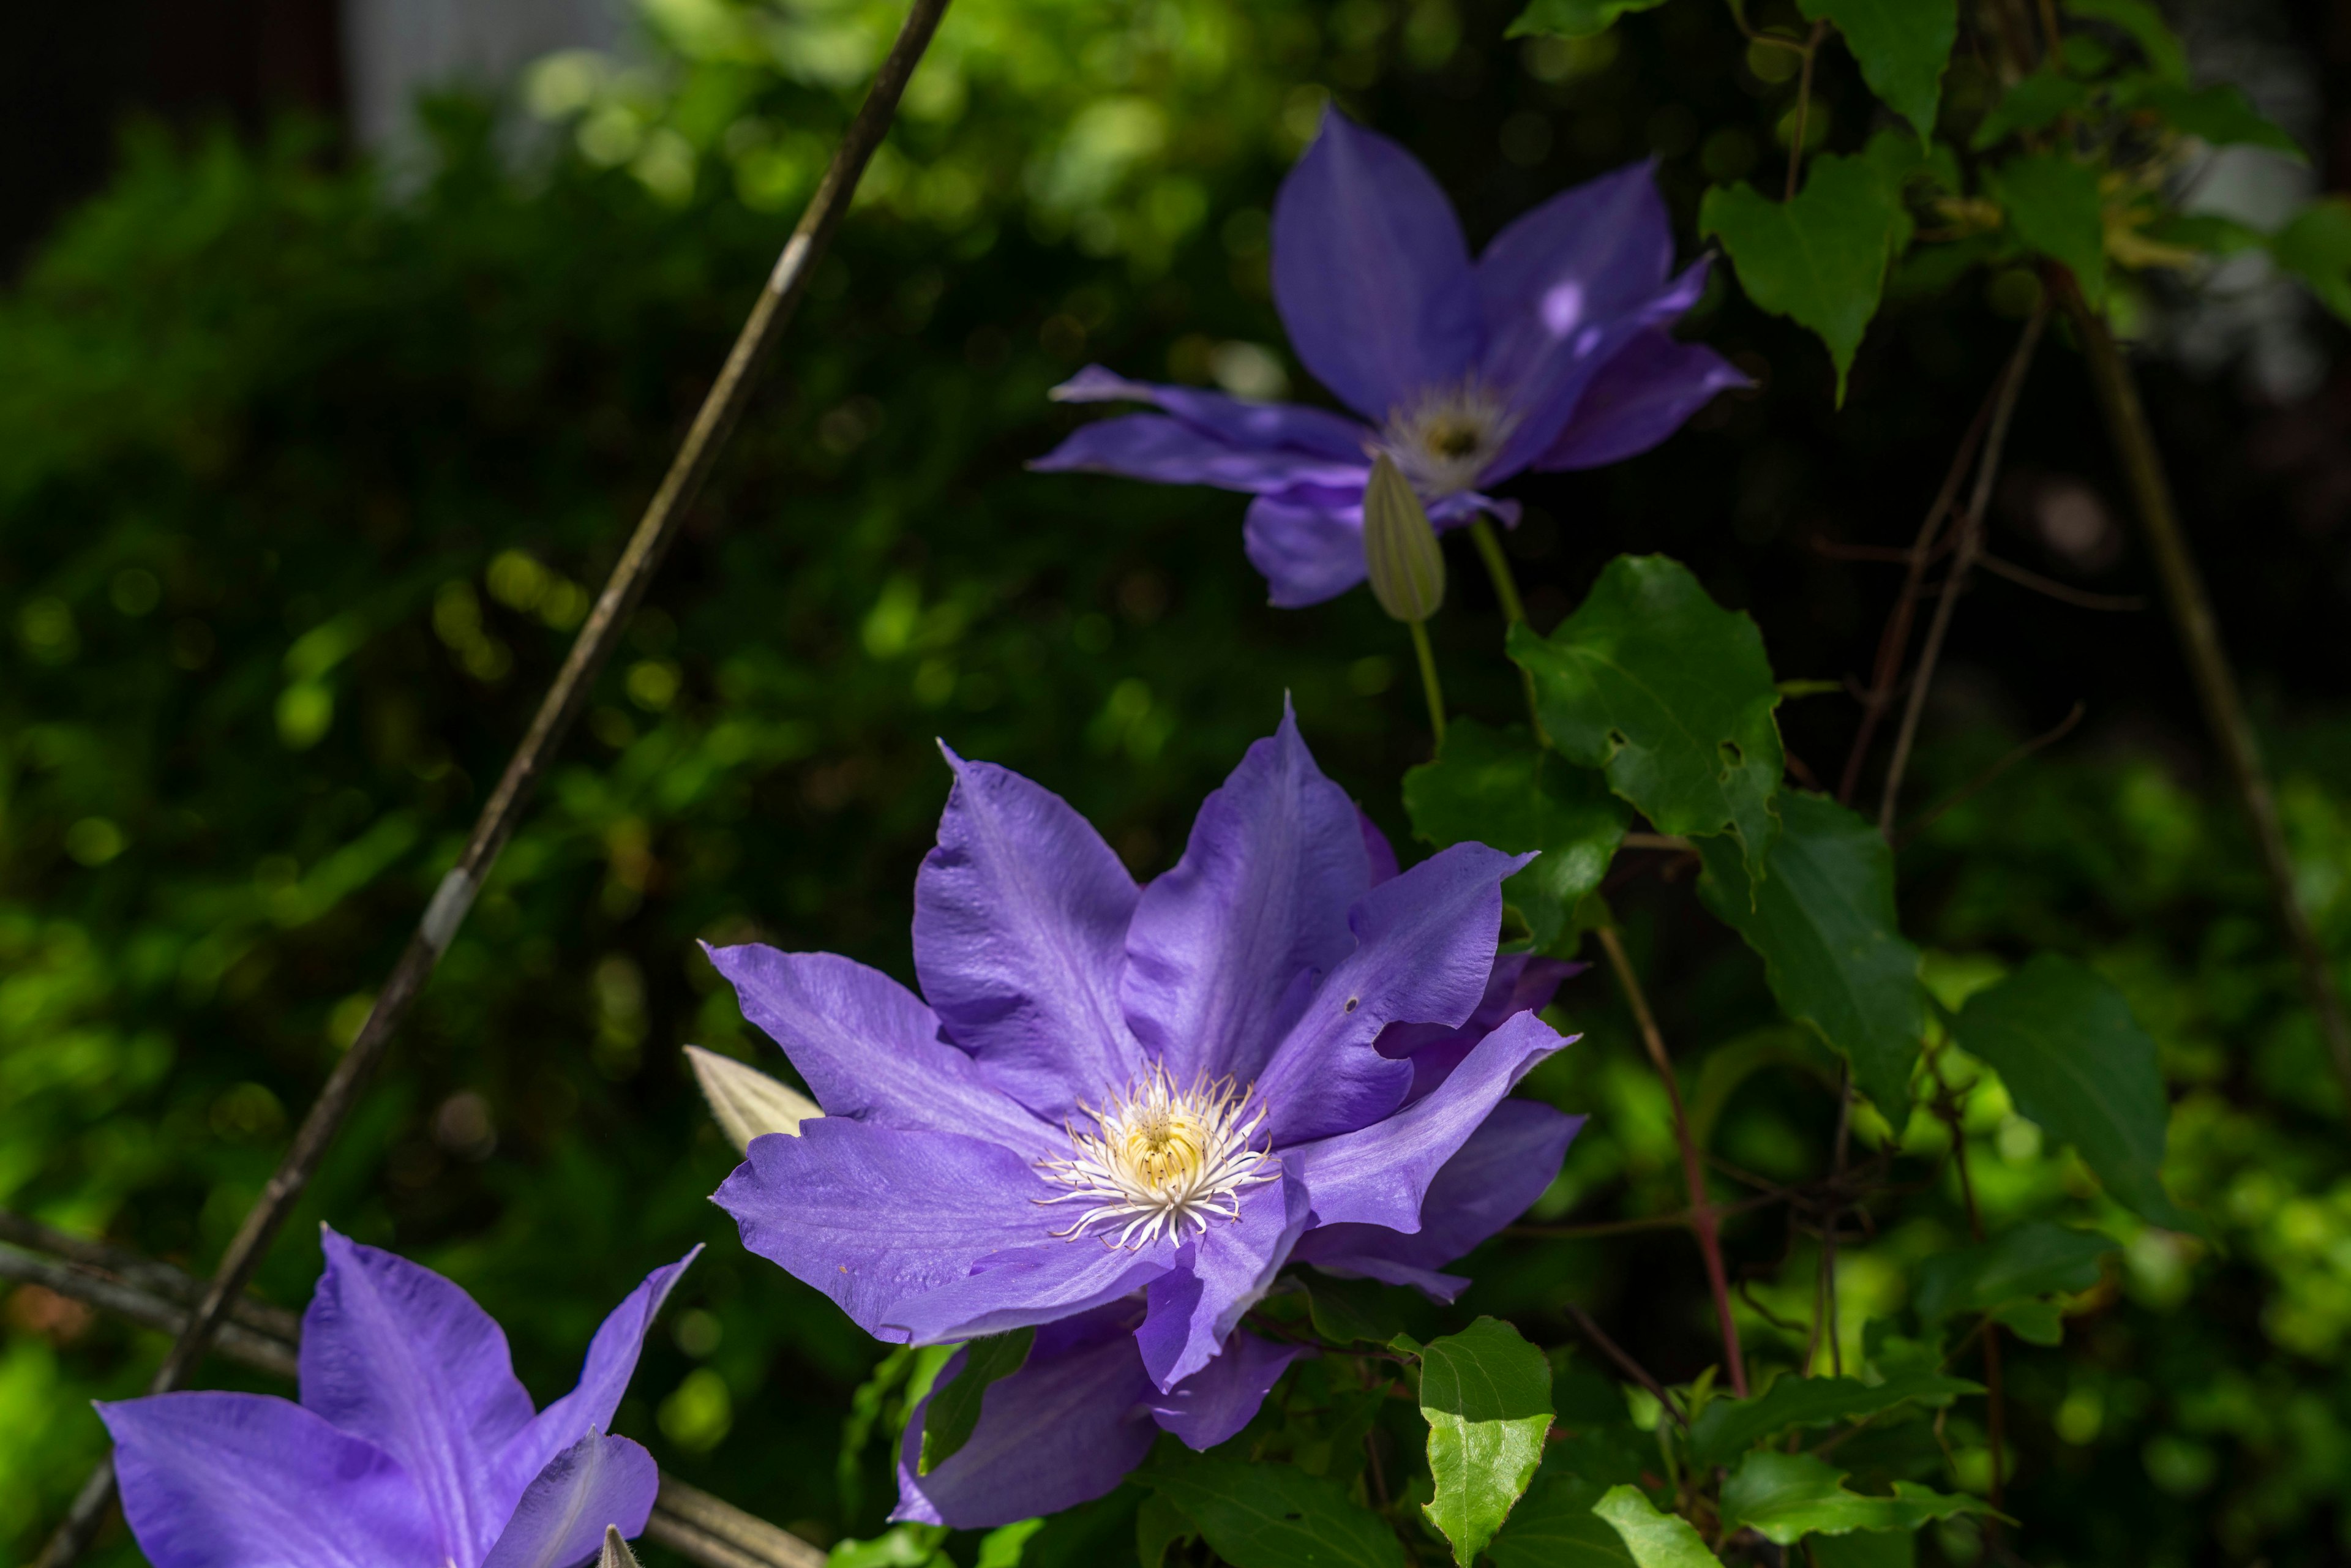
{"x": 1514, "y": 609}
{"x": 1429, "y": 685}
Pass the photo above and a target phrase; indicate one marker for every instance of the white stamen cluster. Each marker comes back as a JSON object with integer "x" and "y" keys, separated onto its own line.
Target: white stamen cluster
{"x": 1161, "y": 1159}
{"x": 1443, "y": 441}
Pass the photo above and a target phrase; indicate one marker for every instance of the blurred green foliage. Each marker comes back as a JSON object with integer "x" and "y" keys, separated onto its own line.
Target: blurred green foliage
{"x": 303, "y": 484}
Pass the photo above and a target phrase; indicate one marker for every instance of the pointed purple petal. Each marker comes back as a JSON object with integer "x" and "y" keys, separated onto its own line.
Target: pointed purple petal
{"x": 873, "y": 1215}
{"x": 1370, "y": 271}
{"x": 1494, "y": 1178}
{"x": 1380, "y": 1175}
{"x": 239, "y": 1480}
{"x": 396, "y": 1354}
{"x": 1425, "y": 953}
{"x": 1522, "y": 982}
{"x": 1166, "y": 451}
{"x": 1215, "y": 1402}
{"x": 1287, "y": 427}
{"x": 1375, "y": 845}
{"x": 603, "y": 1377}
{"x": 1223, "y": 1272}
{"x": 1064, "y": 1429}
{"x": 1023, "y": 1286}
{"x": 870, "y": 1049}
{"x": 1222, "y": 945}
{"x": 1020, "y": 918}
{"x": 1308, "y": 543}
{"x": 1591, "y": 253}
{"x": 597, "y": 1482}
{"x": 1640, "y": 397}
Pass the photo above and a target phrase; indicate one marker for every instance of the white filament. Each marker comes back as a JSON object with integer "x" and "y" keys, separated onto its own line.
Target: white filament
{"x": 1445, "y": 440}
{"x": 1162, "y": 1158}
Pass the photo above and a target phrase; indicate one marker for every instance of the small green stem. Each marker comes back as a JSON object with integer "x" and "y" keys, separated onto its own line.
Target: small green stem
{"x": 1514, "y": 609}
{"x": 1428, "y": 682}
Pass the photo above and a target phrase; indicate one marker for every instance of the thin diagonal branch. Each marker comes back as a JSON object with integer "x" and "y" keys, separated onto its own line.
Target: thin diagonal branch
{"x": 1982, "y": 780}
{"x": 721, "y": 408}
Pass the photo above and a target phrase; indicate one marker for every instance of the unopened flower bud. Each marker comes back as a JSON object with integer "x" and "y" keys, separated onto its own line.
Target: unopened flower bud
{"x": 616, "y": 1552}
{"x": 1400, "y": 550}
{"x": 746, "y": 1101}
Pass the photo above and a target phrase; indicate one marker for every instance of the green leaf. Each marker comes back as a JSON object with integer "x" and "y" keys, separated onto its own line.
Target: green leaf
{"x": 1485, "y": 1393}
{"x": 1574, "y": 18}
{"x": 1821, "y": 259}
{"x": 1866, "y": 1549}
{"x": 954, "y": 1409}
{"x": 1727, "y": 1428}
{"x": 2055, "y": 207}
{"x": 1273, "y": 1516}
{"x": 1555, "y": 1527}
{"x": 2146, "y": 28}
{"x": 1497, "y": 787}
{"x": 1786, "y": 1497}
{"x": 1002, "y": 1547}
{"x": 1671, "y": 695}
{"x": 1348, "y": 1312}
{"x": 2063, "y": 1038}
{"x": 2207, "y": 232}
{"x": 1822, "y": 920}
{"x": 2031, "y": 103}
{"x": 1158, "y": 1525}
{"x": 2315, "y": 246}
{"x": 2034, "y": 1322}
{"x": 1901, "y": 46}
{"x": 1655, "y": 1540}
{"x": 2220, "y": 114}
{"x": 2037, "y": 1259}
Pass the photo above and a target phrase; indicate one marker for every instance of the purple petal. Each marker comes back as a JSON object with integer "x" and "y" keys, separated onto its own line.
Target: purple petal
{"x": 1036, "y": 1284}
{"x": 1497, "y": 1176}
{"x": 1522, "y": 982}
{"x": 1221, "y": 1274}
{"x": 1375, "y": 845}
{"x": 1064, "y": 1429}
{"x": 240, "y": 1481}
{"x": 1380, "y": 1175}
{"x": 396, "y": 1354}
{"x": 1169, "y": 452}
{"x": 1370, "y": 271}
{"x": 1020, "y": 918}
{"x": 1591, "y": 253}
{"x": 1308, "y": 543}
{"x": 1425, "y": 953}
{"x": 1643, "y": 395}
{"x": 1222, "y": 945}
{"x": 1219, "y": 1399}
{"x": 871, "y": 1049}
{"x": 873, "y": 1215}
{"x": 561, "y": 1519}
{"x": 604, "y": 1378}
{"x": 1287, "y": 427}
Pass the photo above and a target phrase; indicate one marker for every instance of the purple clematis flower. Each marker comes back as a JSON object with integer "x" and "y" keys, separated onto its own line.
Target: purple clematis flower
{"x": 1125, "y": 1108}
{"x": 1549, "y": 351}
{"x": 413, "y": 1445}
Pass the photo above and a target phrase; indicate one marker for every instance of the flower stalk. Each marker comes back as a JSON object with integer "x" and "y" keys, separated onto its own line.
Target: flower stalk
{"x": 1406, "y": 568}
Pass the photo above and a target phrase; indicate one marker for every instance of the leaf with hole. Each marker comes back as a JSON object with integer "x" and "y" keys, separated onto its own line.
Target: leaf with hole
{"x": 1901, "y": 46}
{"x": 1727, "y": 1428}
{"x": 1273, "y": 1516}
{"x": 1823, "y": 921}
{"x": 1670, "y": 694}
{"x": 1486, "y": 1395}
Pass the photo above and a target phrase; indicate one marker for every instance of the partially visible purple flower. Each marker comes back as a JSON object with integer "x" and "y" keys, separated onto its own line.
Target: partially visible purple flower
{"x": 1124, "y": 1109}
{"x": 1549, "y": 351}
{"x": 413, "y": 1445}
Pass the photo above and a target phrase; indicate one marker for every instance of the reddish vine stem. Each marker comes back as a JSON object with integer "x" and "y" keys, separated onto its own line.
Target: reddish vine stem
{"x": 721, "y": 407}
{"x": 1702, "y": 1213}
{"x": 2208, "y": 662}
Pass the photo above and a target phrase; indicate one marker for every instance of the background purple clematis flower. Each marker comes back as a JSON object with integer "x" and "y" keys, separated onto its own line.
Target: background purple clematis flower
{"x": 1549, "y": 351}
{"x": 413, "y": 1445}
{"x": 1124, "y": 1108}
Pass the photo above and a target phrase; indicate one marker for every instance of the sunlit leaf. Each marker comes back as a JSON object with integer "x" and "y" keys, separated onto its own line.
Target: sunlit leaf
{"x": 1901, "y": 46}
{"x": 1786, "y": 1497}
{"x": 1655, "y": 1540}
{"x": 1727, "y": 1428}
{"x": 1486, "y": 1395}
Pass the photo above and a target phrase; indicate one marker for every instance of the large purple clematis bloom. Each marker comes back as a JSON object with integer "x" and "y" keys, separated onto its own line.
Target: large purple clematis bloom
{"x": 413, "y": 1445}
{"x": 1547, "y": 351}
{"x": 1125, "y": 1108}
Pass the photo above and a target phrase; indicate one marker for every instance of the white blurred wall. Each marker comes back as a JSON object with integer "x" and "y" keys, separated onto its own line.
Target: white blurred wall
{"x": 394, "y": 48}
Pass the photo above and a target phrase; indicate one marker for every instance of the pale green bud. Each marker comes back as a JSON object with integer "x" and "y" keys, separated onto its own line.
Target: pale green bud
{"x": 1400, "y": 550}
{"x": 746, "y": 1101}
{"x": 616, "y": 1552}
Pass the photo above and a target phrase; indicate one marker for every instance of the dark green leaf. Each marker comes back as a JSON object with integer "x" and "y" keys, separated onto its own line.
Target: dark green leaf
{"x": 1786, "y": 1497}
{"x": 1555, "y": 1527}
{"x": 2063, "y": 1038}
{"x": 2207, "y": 232}
{"x": 1087, "y": 1535}
{"x": 2055, "y": 207}
{"x": 1901, "y": 46}
{"x": 1497, "y": 787}
{"x": 2030, "y": 104}
{"x": 2315, "y": 246}
{"x": 2035, "y": 1322}
{"x": 1866, "y": 1548}
{"x": 1821, "y": 259}
{"x": 1349, "y": 1311}
{"x": 2146, "y": 28}
{"x": 1823, "y": 919}
{"x": 1158, "y": 1525}
{"x": 954, "y": 1409}
{"x": 1727, "y": 1428}
{"x": 1485, "y": 1393}
{"x": 2220, "y": 114}
{"x": 2036, "y": 1259}
{"x": 1670, "y": 694}
{"x": 1574, "y": 18}
{"x": 1655, "y": 1540}
{"x": 1273, "y": 1516}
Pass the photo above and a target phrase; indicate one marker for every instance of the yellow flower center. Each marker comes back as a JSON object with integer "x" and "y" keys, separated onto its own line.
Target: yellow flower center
{"x": 1160, "y": 1159}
